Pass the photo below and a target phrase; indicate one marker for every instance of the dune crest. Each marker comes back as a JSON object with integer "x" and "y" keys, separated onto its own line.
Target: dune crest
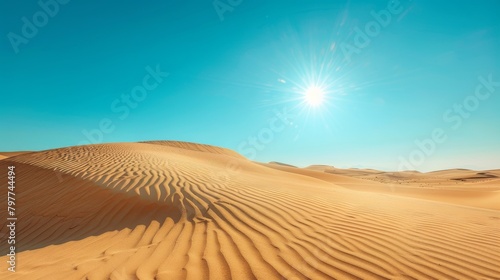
{"x": 197, "y": 147}
{"x": 173, "y": 210}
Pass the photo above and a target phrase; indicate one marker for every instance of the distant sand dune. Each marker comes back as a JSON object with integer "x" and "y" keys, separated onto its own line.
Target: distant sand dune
{"x": 173, "y": 210}
{"x": 464, "y": 187}
{"x": 4, "y": 155}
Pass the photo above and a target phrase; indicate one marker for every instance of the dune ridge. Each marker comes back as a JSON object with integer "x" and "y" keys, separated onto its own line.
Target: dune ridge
{"x": 173, "y": 210}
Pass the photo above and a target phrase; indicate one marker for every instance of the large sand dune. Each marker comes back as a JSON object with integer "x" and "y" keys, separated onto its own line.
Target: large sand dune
{"x": 172, "y": 210}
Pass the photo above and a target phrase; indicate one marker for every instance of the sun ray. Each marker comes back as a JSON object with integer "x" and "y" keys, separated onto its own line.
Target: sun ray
{"x": 314, "y": 96}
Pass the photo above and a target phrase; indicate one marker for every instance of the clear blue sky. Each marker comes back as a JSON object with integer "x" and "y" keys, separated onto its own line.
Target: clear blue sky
{"x": 232, "y": 68}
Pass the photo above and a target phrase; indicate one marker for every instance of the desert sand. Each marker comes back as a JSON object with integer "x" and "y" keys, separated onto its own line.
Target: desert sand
{"x": 4, "y": 155}
{"x": 172, "y": 210}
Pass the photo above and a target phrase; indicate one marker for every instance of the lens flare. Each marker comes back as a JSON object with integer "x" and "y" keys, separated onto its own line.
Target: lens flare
{"x": 314, "y": 96}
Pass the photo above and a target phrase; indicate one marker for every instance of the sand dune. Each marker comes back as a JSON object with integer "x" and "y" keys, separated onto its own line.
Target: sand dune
{"x": 173, "y": 210}
{"x": 4, "y": 155}
{"x": 458, "y": 186}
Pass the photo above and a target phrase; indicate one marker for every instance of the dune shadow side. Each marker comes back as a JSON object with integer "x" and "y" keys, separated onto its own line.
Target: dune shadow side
{"x": 54, "y": 208}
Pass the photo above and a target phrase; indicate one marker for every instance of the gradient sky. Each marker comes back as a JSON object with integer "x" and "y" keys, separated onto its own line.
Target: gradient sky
{"x": 232, "y": 76}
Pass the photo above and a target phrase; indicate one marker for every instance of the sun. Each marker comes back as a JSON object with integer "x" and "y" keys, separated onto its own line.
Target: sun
{"x": 314, "y": 96}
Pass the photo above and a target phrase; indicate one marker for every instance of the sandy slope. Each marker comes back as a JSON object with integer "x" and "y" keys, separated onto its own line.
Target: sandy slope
{"x": 458, "y": 186}
{"x": 4, "y": 155}
{"x": 170, "y": 210}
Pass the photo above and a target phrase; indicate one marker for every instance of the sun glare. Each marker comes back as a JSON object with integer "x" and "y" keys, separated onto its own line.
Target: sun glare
{"x": 314, "y": 96}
